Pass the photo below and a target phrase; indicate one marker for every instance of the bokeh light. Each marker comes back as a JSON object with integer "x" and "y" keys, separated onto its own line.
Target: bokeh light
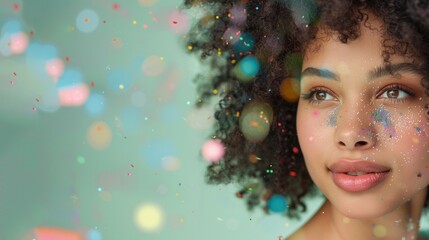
{"x": 255, "y": 121}
{"x": 81, "y": 160}
{"x": 55, "y": 68}
{"x": 48, "y": 233}
{"x": 166, "y": 90}
{"x": 149, "y": 217}
{"x": 247, "y": 68}
{"x": 232, "y": 35}
{"x": 94, "y": 234}
{"x": 178, "y": 22}
{"x": 170, "y": 163}
{"x": 99, "y": 135}
{"x": 87, "y": 21}
{"x": 18, "y": 42}
{"x": 96, "y": 104}
{"x": 155, "y": 150}
{"x": 277, "y": 203}
{"x": 213, "y": 150}
{"x": 379, "y": 231}
{"x": 244, "y": 44}
{"x": 73, "y": 96}
{"x": 238, "y": 14}
{"x": 38, "y": 54}
{"x": 289, "y": 89}
{"x": 11, "y": 27}
{"x": 153, "y": 66}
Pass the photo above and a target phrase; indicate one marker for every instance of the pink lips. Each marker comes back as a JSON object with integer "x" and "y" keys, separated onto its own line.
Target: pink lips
{"x": 373, "y": 175}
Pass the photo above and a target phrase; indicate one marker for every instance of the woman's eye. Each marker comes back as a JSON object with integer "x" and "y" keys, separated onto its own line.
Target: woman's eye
{"x": 320, "y": 95}
{"x": 395, "y": 93}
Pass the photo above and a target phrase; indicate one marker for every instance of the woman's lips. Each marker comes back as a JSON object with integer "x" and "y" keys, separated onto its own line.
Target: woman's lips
{"x": 357, "y": 175}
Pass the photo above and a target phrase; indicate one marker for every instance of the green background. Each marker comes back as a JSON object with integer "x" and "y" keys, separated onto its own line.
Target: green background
{"x": 50, "y": 174}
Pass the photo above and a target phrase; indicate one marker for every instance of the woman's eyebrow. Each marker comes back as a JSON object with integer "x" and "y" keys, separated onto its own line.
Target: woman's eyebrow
{"x": 393, "y": 69}
{"x": 378, "y": 72}
{"x": 323, "y": 73}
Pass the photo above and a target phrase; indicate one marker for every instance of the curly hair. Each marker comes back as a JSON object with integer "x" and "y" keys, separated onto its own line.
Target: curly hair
{"x": 277, "y": 32}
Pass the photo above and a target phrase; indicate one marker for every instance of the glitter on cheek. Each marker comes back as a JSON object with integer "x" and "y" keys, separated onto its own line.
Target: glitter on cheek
{"x": 382, "y": 116}
{"x": 367, "y": 133}
{"x": 332, "y": 118}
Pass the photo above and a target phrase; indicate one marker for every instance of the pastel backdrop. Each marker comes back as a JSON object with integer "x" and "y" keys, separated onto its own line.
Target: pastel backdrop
{"x": 99, "y": 138}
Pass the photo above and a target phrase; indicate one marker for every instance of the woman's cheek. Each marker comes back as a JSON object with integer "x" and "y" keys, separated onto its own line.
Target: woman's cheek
{"x": 412, "y": 146}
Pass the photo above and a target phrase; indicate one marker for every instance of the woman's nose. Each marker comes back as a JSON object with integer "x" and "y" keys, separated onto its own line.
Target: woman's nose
{"x": 355, "y": 130}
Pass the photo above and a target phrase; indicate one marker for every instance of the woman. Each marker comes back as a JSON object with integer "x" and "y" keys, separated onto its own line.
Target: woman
{"x": 355, "y": 74}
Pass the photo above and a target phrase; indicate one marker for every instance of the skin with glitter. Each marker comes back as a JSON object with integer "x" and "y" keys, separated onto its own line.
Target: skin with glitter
{"x": 382, "y": 116}
{"x": 360, "y": 102}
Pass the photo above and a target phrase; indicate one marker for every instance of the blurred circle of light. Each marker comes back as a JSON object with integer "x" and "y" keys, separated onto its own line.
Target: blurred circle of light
{"x": 73, "y": 96}
{"x": 87, "y": 21}
{"x": 93, "y": 235}
{"x": 96, "y": 104}
{"x": 247, "y": 68}
{"x": 153, "y": 66}
{"x": 244, "y": 44}
{"x": 213, "y": 150}
{"x": 149, "y": 217}
{"x": 131, "y": 119}
{"x": 255, "y": 121}
{"x": 170, "y": 163}
{"x": 18, "y": 43}
{"x": 179, "y": 22}
{"x": 277, "y": 203}
{"x": 238, "y": 14}
{"x": 289, "y": 90}
{"x": 138, "y": 99}
{"x": 80, "y": 160}
{"x": 48, "y": 233}
{"x": 11, "y": 27}
{"x": 232, "y": 35}
{"x": 155, "y": 150}
{"x": 55, "y": 68}
{"x": 99, "y": 135}
{"x": 38, "y": 54}
{"x": 147, "y": 3}
{"x": 119, "y": 80}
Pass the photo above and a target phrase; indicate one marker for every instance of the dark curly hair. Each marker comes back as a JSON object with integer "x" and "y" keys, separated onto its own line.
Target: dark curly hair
{"x": 277, "y": 32}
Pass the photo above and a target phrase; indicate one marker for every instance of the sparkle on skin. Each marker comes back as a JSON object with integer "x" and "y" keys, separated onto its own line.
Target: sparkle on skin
{"x": 332, "y": 119}
{"x": 382, "y": 116}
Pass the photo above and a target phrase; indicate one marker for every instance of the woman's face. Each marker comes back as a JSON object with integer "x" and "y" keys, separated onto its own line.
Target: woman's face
{"x": 353, "y": 110}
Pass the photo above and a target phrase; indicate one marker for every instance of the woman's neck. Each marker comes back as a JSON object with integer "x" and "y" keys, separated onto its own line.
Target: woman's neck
{"x": 404, "y": 222}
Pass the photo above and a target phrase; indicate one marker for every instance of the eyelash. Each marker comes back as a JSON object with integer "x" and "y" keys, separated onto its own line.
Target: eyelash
{"x": 309, "y": 96}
